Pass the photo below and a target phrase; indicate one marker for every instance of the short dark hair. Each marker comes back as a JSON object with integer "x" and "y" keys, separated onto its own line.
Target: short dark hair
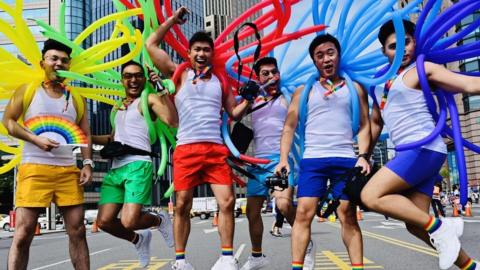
{"x": 51, "y": 44}
{"x": 200, "y": 36}
{"x": 320, "y": 39}
{"x": 130, "y": 63}
{"x": 264, "y": 61}
{"x": 388, "y": 28}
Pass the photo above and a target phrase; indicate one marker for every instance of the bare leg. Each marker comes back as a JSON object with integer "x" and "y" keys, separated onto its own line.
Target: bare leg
{"x": 26, "y": 221}
{"x": 226, "y": 202}
{"x": 283, "y": 200}
{"x": 255, "y": 224}
{"x": 302, "y": 227}
{"x": 73, "y": 217}
{"x": 381, "y": 194}
{"x": 181, "y": 222}
{"x": 351, "y": 233}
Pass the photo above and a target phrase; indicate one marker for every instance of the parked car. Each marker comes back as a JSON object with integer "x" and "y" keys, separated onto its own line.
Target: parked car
{"x": 90, "y": 216}
{"x": 42, "y": 219}
{"x": 5, "y": 223}
{"x": 2, "y": 216}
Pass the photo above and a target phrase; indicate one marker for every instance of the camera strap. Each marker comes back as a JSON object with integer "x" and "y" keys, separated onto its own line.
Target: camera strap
{"x": 236, "y": 46}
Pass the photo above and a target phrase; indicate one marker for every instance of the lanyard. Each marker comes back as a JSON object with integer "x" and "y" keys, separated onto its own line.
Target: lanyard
{"x": 386, "y": 88}
{"x": 331, "y": 87}
{"x": 200, "y": 74}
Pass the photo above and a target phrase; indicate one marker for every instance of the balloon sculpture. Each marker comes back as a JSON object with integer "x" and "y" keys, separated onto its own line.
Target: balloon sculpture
{"x": 87, "y": 64}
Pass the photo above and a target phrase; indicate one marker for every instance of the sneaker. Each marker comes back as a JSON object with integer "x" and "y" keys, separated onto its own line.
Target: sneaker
{"x": 143, "y": 247}
{"x": 309, "y": 260}
{"x": 166, "y": 229}
{"x": 254, "y": 263}
{"x": 226, "y": 263}
{"x": 447, "y": 244}
{"x": 456, "y": 222}
{"x": 276, "y": 232}
{"x": 182, "y": 265}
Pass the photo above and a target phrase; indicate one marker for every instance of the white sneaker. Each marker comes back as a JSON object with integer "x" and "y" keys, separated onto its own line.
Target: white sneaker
{"x": 456, "y": 222}
{"x": 226, "y": 263}
{"x": 309, "y": 260}
{"x": 143, "y": 247}
{"x": 447, "y": 244}
{"x": 254, "y": 263}
{"x": 166, "y": 229}
{"x": 182, "y": 265}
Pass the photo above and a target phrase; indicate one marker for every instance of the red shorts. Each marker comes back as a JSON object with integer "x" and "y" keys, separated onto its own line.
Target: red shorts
{"x": 199, "y": 163}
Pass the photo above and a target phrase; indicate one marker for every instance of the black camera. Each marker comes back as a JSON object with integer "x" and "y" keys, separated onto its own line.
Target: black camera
{"x": 249, "y": 90}
{"x": 277, "y": 181}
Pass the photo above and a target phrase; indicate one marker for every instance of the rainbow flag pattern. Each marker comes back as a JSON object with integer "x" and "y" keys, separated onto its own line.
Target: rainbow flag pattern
{"x": 68, "y": 130}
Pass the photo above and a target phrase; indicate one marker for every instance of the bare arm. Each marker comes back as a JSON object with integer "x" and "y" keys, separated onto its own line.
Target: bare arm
{"x": 234, "y": 110}
{"x": 364, "y": 135}
{"x": 102, "y": 139}
{"x": 290, "y": 126}
{"x": 163, "y": 107}
{"x": 376, "y": 125}
{"x": 160, "y": 58}
{"x": 451, "y": 81}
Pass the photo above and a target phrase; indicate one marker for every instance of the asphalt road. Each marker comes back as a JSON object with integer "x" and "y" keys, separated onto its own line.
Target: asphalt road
{"x": 387, "y": 246}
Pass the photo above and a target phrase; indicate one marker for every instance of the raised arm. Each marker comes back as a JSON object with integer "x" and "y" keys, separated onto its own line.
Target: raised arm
{"x": 163, "y": 107}
{"x": 160, "y": 58}
{"x": 451, "y": 81}
{"x": 288, "y": 132}
{"x": 234, "y": 110}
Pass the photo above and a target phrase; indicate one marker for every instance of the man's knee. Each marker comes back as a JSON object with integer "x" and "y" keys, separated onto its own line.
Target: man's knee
{"x": 304, "y": 215}
{"x": 183, "y": 206}
{"x": 284, "y": 205}
{"x": 23, "y": 237}
{"x": 369, "y": 199}
{"x": 226, "y": 204}
{"x": 76, "y": 232}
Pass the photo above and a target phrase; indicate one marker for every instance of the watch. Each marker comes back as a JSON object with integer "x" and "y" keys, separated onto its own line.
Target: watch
{"x": 364, "y": 155}
{"x": 89, "y": 162}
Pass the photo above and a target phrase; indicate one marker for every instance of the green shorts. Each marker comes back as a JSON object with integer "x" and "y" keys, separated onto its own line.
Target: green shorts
{"x": 131, "y": 183}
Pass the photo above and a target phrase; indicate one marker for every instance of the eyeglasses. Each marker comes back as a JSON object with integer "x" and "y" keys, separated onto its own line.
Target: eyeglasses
{"x": 129, "y": 76}
{"x": 267, "y": 72}
{"x": 64, "y": 60}
{"x": 393, "y": 46}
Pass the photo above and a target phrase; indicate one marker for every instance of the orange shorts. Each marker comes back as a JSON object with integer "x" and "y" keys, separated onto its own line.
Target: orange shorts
{"x": 39, "y": 184}
{"x": 200, "y": 163}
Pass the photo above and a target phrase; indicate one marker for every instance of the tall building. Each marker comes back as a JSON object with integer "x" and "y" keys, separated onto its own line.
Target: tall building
{"x": 220, "y": 13}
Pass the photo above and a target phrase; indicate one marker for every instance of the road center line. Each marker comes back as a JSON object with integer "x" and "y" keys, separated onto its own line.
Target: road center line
{"x": 64, "y": 261}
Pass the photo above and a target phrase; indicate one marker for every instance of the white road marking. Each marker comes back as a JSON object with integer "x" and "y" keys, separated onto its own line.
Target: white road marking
{"x": 239, "y": 251}
{"x": 211, "y": 230}
{"x": 64, "y": 261}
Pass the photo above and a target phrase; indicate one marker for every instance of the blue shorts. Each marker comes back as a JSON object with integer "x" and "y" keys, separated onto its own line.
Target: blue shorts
{"x": 418, "y": 167}
{"x": 315, "y": 173}
{"x": 256, "y": 187}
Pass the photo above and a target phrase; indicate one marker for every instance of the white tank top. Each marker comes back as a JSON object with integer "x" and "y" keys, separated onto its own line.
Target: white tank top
{"x": 43, "y": 104}
{"x": 131, "y": 129}
{"x": 406, "y": 115}
{"x": 328, "y": 127}
{"x": 267, "y": 125}
{"x": 198, "y": 106}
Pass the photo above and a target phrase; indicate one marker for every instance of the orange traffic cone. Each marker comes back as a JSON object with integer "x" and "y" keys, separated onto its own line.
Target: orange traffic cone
{"x": 215, "y": 220}
{"x": 95, "y": 226}
{"x": 359, "y": 213}
{"x": 468, "y": 210}
{"x": 455, "y": 210}
{"x": 37, "y": 229}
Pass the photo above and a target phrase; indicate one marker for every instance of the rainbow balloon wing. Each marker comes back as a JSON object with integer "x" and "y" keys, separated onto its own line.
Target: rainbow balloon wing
{"x": 56, "y": 127}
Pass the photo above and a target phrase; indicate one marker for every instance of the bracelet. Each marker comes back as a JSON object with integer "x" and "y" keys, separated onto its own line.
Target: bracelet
{"x": 364, "y": 155}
